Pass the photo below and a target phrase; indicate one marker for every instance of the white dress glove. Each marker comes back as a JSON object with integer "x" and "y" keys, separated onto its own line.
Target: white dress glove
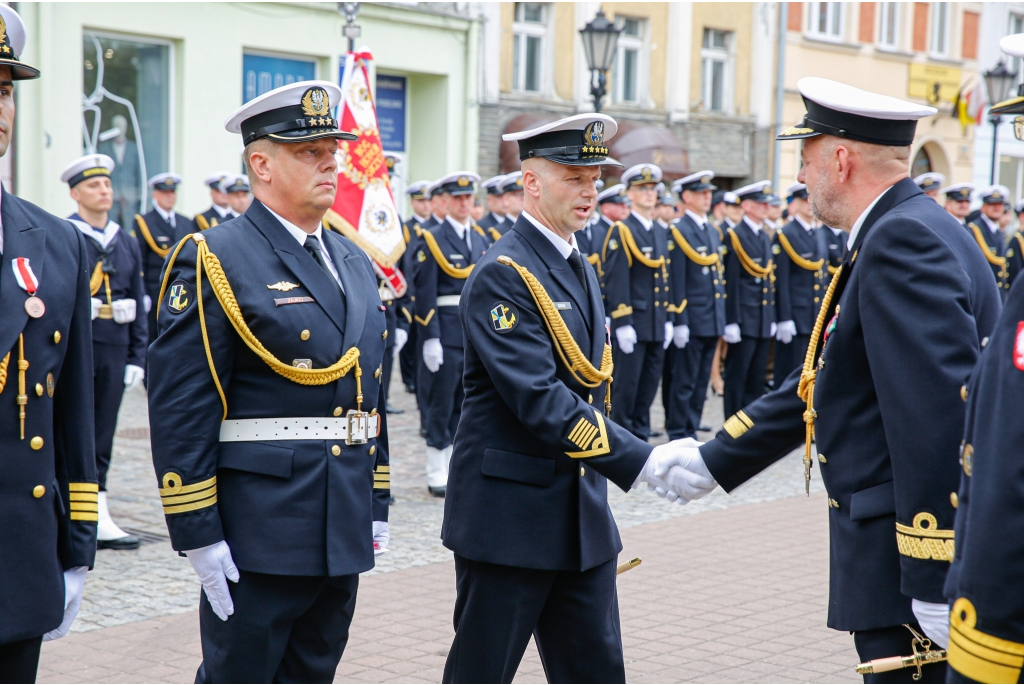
{"x": 74, "y": 583}
{"x": 773, "y": 329}
{"x": 147, "y": 302}
{"x": 133, "y": 375}
{"x": 732, "y": 333}
{"x": 681, "y": 336}
{"x": 381, "y": 537}
{"x": 677, "y": 472}
{"x": 401, "y": 337}
{"x": 668, "y": 335}
{"x": 124, "y": 311}
{"x": 433, "y": 354}
{"x": 626, "y": 335}
{"x": 96, "y": 304}
{"x": 933, "y": 619}
{"x": 787, "y": 329}
{"x": 215, "y": 567}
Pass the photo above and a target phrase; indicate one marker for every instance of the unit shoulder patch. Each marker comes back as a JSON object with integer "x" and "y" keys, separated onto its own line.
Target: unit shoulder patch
{"x": 179, "y": 297}
{"x": 504, "y": 317}
{"x": 776, "y": 248}
{"x": 613, "y": 244}
{"x": 421, "y": 256}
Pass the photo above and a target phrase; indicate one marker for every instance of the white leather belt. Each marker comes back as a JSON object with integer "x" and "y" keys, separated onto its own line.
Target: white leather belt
{"x": 448, "y": 300}
{"x": 355, "y": 428}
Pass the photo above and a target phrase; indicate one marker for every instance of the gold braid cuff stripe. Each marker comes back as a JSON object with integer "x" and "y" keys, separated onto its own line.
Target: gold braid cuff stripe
{"x": 749, "y": 264}
{"x": 161, "y": 251}
{"x": 925, "y": 540}
{"x": 692, "y": 254}
{"x": 979, "y": 656}
{"x": 737, "y": 424}
{"x": 439, "y": 257}
{"x": 797, "y": 259}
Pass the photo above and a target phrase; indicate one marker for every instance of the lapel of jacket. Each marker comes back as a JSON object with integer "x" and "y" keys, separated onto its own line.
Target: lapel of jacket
{"x": 299, "y": 262}
{"x": 21, "y": 239}
{"x": 358, "y": 297}
{"x": 557, "y": 266}
{"x": 751, "y": 240}
{"x": 158, "y": 226}
{"x": 898, "y": 193}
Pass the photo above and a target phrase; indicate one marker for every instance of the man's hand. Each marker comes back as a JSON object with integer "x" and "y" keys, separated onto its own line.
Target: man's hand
{"x": 74, "y": 584}
{"x": 401, "y": 337}
{"x": 433, "y": 354}
{"x": 215, "y": 567}
{"x": 676, "y": 471}
{"x": 626, "y": 335}
{"x": 668, "y": 335}
{"x": 147, "y": 302}
{"x": 381, "y": 537}
{"x": 96, "y": 304}
{"x": 124, "y": 310}
{"x": 933, "y": 619}
{"x": 681, "y": 336}
{"x": 732, "y": 333}
{"x": 787, "y": 329}
{"x": 133, "y": 375}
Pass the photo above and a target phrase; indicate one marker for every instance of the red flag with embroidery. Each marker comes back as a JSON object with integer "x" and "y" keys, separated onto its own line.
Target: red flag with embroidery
{"x": 364, "y": 209}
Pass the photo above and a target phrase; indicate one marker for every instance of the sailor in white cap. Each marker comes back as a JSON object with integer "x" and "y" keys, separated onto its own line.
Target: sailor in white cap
{"x": 235, "y": 188}
{"x": 419, "y": 203}
{"x": 637, "y": 297}
{"x": 120, "y": 332}
{"x": 512, "y": 189}
{"x": 48, "y": 463}
{"x": 988, "y": 234}
{"x": 220, "y": 210}
{"x": 900, "y": 330}
{"x": 495, "y": 215}
{"x": 612, "y": 205}
{"x": 930, "y": 183}
{"x": 157, "y": 231}
{"x": 958, "y": 200}
{"x": 287, "y": 330}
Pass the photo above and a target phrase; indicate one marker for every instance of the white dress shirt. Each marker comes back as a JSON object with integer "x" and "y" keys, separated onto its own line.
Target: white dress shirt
{"x": 224, "y": 212}
{"x": 863, "y": 217}
{"x": 168, "y": 216}
{"x": 992, "y": 226}
{"x": 701, "y": 221}
{"x": 301, "y": 236}
{"x": 756, "y": 228}
{"x": 462, "y": 230}
{"x": 564, "y": 247}
{"x": 646, "y": 223}
{"x": 806, "y": 226}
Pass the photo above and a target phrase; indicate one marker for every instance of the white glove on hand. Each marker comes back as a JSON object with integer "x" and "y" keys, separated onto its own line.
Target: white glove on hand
{"x": 773, "y": 329}
{"x": 147, "y": 302}
{"x": 133, "y": 375}
{"x": 401, "y": 337}
{"x": 668, "y": 335}
{"x": 74, "y": 583}
{"x": 626, "y": 335}
{"x": 124, "y": 311}
{"x": 96, "y": 304}
{"x": 787, "y": 329}
{"x": 215, "y": 567}
{"x": 681, "y": 336}
{"x": 381, "y": 537}
{"x": 433, "y": 354}
{"x": 933, "y": 619}
{"x": 732, "y": 333}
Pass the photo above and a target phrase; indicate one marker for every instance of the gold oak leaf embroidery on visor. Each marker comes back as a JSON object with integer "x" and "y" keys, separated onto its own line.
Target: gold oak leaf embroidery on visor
{"x": 590, "y": 438}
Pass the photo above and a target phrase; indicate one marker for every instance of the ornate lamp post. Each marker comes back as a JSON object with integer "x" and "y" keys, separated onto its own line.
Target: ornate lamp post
{"x": 997, "y": 82}
{"x": 600, "y": 37}
{"x": 351, "y": 30}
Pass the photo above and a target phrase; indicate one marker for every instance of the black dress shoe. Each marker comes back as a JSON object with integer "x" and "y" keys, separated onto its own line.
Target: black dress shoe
{"x": 393, "y": 410}
{"x": 423, "y": 432}
{"x": 127, "y": 542}
{"x": 391, "y": 500}
{"x": 656, "y": 434}
{"x": 437, "y": 492}
{"x": 704, "y": 427}
{"x": 410, "y": 388}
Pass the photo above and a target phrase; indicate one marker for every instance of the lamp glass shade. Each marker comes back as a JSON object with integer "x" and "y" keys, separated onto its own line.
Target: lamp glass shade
{"x": 998, "y": 82}
{"x": 599, "y": 39}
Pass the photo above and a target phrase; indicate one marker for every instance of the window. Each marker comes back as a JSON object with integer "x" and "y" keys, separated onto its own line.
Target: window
{"x": 629, "y": 54}
{"x": 528, "y": 47}
{"x": 826, "y": 20}
{"x": 889, "y": 25}
{"x": 939, "y": 46}
{"x": 922, "y": 163}
{"x": 716, "y": 70}
{"x": 126, "y": 114}
{"x": 263, "y": 73}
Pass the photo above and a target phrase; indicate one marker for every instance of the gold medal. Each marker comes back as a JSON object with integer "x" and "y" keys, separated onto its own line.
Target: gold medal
{"x": 35, "y": 307}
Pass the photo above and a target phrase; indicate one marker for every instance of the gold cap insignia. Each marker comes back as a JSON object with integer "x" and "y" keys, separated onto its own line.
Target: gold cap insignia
{"x": 797, "y": 131}
{"x": 463, "y": 181}
{"x": 705, "y": 179}
{"x": 645, "y": 173}
{"x": 3, "y": 30}
{"x": 316, "y": 103}
{"x": 283, "y": 286}
{"x": 594, "y": 133}
{"x": 997, "y": 195}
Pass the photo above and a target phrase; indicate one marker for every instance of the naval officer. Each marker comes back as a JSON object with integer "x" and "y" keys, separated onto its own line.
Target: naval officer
{"x": 120, "y": 333}
{"x": 930, "y": 184}
{"x": 527, "y": 510}
{"x": 958, "y": 200}
{"x": 157, "y": 231}
{"x": 901, "y": 327}
{"x": 236, "y": 189}
{"x": 219, "y": 210}
{"x": 265, "y": 406}
{"x": 512, "y": 190}
{"x": 419, "y": 202}
{"x": 48, "y": 470}
{"x": 989, "y": 236}
{"x": 1015, "y": 246}
{"x": 495, "y": 215}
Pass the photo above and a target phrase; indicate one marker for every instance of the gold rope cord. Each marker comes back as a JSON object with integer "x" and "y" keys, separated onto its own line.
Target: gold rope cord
{"x": 595, "y": 261}
{"x": 832, "y": 269}
{"x": 692, "y": 254}
{"x": 495, "y": 236}
{"x": 992, "y": 258}
{"x": 604, "y": 248}
{"x": 22, "y": 399}
{"x": 439, "y": 257}
{"x": 797, "y": 259}
{"x": 479, "y": 230}
{"x": 3, "y": 370}
{"x": 201, "y": 222}
{"x": 805, "y": 390}
{"x": 568, "y": 349}
{"x": 96, "y": 279}
{"x": 630, "y": 242}
{"x": 749, "y": 264}
{"x": 160, "y": 251}
{"x": 167, "y": 272}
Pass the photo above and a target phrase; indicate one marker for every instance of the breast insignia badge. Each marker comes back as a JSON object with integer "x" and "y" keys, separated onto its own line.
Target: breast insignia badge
{"x": 283, "y": 286}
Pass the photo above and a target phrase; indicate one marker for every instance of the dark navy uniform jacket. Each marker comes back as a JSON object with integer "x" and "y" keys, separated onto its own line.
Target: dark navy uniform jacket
{"x": 984, "y": 583}
{"x": 698, "y": 292}
{"x": 913, "y": 307}
{"x": 636, "y": 294}
{"x": 799, "y": 290}
{"x": 286, "y": 507}
{"x": 122, "y": 262}
{"x": 993, "y": 247}
{"x": 836, "y": 246}
{"x": 750, "y": 299}
{"x": 534, "y": 451}
{"x": 48, "y": 489}
{"x": 433, "y": 282}
{"x": 208, "y": 219}
{"x": 1015, "y": 256}
{"x": 165, "y": 237}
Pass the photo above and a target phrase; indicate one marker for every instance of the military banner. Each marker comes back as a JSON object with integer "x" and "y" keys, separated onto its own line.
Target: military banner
{"x": 364, "y": 209}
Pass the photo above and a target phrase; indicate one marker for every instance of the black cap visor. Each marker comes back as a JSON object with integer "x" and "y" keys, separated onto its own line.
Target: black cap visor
{"x": 821, "y": 120}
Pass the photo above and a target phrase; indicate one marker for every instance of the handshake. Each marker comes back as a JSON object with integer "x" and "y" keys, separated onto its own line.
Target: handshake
{"x": 676, "y": 471}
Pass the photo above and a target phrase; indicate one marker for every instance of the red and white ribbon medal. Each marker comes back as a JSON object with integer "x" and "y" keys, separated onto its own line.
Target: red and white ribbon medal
{"x": 29, "y": 283}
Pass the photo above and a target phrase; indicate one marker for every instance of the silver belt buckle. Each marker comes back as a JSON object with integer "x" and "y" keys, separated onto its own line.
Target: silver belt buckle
{"x": 358, "y": 427}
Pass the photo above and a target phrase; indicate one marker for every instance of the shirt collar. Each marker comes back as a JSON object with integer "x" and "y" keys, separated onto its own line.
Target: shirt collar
{"x": 497, "y": 217}
{"x": 168, "y": 216}
{"x": 223, "y": 211}
{"x": 700, "y": 220}
{"x": 459, "y": 228}
{"x": 862, "y": 218}
{"x": 102, "y": 236}
{"x": 807, "y": 227}
{"x": 756, "y": 228}
{"x": 992, "y": 226}
{"x": 564, "y": 248}
{"x": 837, "y": 231}
{"x": 420, "y": 219}
{"x": 299, "y": 234}
{"x": 646, "y": 223}
{"x": 438, "y": 219}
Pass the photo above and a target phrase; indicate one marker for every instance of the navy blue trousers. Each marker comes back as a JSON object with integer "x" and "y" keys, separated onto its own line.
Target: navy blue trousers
{"x": 789, "y": 356}
{"x": 745, "y": 367}
{"x": 634, "y": 386}
{"x": 19, "y": 660}
{"x": 691, "y": 372}
{"x": 108, "y": 390}
{"x": 572, "y": 615}
{"x": 444, "y": 398}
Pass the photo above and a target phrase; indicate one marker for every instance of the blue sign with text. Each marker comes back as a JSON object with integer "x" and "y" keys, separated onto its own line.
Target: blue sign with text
{"x": 261, "y": 73}
{"x": 391, "y": 111}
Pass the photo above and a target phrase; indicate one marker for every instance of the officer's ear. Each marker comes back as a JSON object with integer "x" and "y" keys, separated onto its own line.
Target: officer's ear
{"x": 532, "y": 180}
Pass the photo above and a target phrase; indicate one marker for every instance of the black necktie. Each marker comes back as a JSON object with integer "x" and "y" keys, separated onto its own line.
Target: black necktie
{"x": 576, "y": 262}
{"x": 312, "y": 246}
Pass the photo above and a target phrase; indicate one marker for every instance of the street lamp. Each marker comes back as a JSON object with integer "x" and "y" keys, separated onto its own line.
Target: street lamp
{"x": 599, "y": 39}
{"x": 997, "y": 82}
{"x": 350, "y": 30}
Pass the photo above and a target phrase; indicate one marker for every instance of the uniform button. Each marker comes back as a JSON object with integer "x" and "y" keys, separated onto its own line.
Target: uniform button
{"x": 583, "y": 471}
{"x": 38, "y": 491}
{"x": 304, "y": 335}
{"x": 832, "y": 504}
{"x": 984, "y": 341}
{"x": 764, "y": 301}
{"x": 373, "y": 449}
{"x": 337, "y": 411}
{"x": 816, "y": 299}
{"x": 56, "y": 336}
{"x": 963, "y": 392}
{"x": 822, "y": 459}
{"x": 335, "y": 450}
{"x": 377, "y": 372}
{"x": 716, "y": 282}
{"x": 968, "y": 459}
{"x": 817, "y": 287}
{"x": 590, "y": 399}
{"x": 718, "y": 295}
{"x": 657, "y": 290}
{"x": 954, "y": 500}
{"x": 39, "y": 389}
{"x": 36, "y": 443}
{"x": 384, "y": 335}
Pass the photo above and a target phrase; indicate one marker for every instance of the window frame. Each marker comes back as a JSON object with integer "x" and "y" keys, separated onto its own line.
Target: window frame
{"x": 639, "y": 44}
{"x": 883, "y": 25}
{"x": 522, "y": 30}
{"x": 935, "y": 10}
{"x": 834, "y": 10}
{"x": 725, "y": 55}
